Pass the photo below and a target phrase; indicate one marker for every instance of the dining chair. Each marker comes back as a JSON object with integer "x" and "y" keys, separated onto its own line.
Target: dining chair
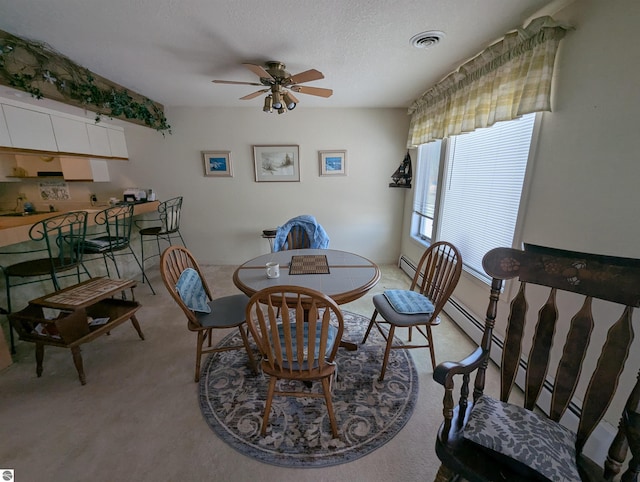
{"x": 300, "y": 232}
{"x": 301, "y": 345}
{"x": 168, "y": 229}
{"x": 188, "y": 287}
{"x": 58, "y": 250}
{"x": 564, "y": 311}
{"x": 115, "y": 240}
{"x": 419, "y": 307}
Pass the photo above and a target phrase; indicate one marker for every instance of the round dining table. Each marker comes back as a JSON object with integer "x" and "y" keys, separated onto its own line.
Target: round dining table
{"x": 344, "y": 277}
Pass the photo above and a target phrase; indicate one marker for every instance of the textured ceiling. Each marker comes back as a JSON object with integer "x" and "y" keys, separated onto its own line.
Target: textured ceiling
{"x": 170, "y": 50}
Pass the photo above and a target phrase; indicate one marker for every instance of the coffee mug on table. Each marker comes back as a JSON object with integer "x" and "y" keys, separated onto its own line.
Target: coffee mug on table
{"x": 273, "y": 270}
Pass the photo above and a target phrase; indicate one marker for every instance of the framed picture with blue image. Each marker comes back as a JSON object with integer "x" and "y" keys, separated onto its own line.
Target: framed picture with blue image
{"x": 333, "y": 163}
{"x": 217, "y": 163}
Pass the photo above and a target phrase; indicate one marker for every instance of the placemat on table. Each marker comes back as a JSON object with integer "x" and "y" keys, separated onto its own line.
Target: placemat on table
{"x": 309, "y": 264}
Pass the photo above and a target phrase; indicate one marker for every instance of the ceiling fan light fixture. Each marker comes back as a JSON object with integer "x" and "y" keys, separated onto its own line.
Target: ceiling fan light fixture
{"x": 290, "y": 101}
{"x": 268, "y": 104}
{"x": 277, "y": 100}
{"x": 282, "y": 110}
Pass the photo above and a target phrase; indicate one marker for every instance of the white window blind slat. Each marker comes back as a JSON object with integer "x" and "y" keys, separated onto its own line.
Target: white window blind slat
{"x": 482, "y": 188}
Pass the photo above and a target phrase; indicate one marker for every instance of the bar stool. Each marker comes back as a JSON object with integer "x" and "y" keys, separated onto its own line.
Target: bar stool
{"x": 169, "y": 229}
{"x": 63, "y": 236}
{"x": 116, "y": 238}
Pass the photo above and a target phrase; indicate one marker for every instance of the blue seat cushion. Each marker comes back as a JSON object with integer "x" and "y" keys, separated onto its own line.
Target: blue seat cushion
{"x": 331, "y": 339}
{"x": 191, "y": 291}
{"x": 225, "y": 312}
{"x": 409, "y": 302}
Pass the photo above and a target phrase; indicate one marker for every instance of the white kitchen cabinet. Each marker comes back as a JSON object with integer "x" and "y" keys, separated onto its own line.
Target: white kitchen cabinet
{"x": 83, "y": 169}
{"x": 118, "y": 143}
{"x": 71, "y": 135}
{"x": 5, "y": 140}
{"x": 30, "y": 129}
{"x": 99, "y": 140}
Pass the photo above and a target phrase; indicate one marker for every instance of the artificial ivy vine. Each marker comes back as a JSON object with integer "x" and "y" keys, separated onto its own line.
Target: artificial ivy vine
{"x": 34, "y": 67}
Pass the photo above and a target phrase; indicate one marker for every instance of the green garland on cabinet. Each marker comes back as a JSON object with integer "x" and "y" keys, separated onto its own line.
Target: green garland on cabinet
{"x": 36, "y": 68}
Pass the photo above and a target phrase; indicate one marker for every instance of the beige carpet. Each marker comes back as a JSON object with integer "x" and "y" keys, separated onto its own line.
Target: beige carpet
{"x": 138, "y": 418}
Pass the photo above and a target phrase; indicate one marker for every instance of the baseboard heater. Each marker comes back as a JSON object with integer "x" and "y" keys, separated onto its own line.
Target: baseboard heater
{"x": 473, "y": 327}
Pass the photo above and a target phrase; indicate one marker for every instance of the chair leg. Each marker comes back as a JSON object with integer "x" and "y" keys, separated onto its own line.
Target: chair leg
{"x": 199, "y": 355}
{"x": 326, "y": 388}
{"x": 432, "y": 350}
{"x": 387, "y": 351}
{"x": 144, "y": 276}
{"x": 247, "y": 347}
{"x": 373, "y": 320}
{"x": 267, "y": 405}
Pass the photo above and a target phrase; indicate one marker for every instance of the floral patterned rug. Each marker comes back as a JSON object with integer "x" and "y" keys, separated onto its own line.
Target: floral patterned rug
{"x": 369, "y": 413}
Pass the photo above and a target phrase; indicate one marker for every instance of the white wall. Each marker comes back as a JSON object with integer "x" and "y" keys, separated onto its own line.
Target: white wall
{"x": 224, "y": 217}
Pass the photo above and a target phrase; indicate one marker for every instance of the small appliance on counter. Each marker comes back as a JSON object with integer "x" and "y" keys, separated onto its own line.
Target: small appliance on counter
{"x": 135, "y": 195}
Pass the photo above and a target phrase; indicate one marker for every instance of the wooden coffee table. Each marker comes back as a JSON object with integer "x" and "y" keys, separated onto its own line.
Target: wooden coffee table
{"x": 73, "y": 308}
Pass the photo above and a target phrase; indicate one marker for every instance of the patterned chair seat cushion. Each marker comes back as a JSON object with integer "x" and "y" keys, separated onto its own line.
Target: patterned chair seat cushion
{"x": 191, "y": 291}
{"x": 409, "y": 302}
{"x": 537, "y": 446}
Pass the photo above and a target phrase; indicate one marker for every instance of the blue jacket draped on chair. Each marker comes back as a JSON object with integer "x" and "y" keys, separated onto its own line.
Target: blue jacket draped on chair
{"x": 316, "y": 233}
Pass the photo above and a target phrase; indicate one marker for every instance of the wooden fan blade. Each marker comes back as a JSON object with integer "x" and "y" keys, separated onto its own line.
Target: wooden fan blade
{"x": 312, "y": 90}
{"x": 235, "y": 82}
{"x": 254, "y": 94}
{"x": 306, "y": 76}
{"x": 259, "y": 71}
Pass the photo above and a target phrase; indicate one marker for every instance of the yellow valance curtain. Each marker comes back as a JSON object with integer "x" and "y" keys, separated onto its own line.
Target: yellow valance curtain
{"x": 510, "y": 78}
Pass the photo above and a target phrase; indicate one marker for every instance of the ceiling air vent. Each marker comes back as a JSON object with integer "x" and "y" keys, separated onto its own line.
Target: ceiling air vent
{"x": 426, "y": 39}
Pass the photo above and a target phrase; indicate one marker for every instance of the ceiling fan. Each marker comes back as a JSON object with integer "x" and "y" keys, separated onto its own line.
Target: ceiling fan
{"x": 279, "y": 84}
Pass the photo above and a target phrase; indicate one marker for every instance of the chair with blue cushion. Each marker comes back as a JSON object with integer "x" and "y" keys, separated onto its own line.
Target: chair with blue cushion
{"x": 301, "y": 232}
{"x": 189, "y": 289}
{"x": 564, "y": 341}
{"x": 288, "y": 351}
{"x": 436, "y": 277}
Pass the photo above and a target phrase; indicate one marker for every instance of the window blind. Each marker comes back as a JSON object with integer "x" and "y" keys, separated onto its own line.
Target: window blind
{"x": 482, "y": 188}
{"x": 424, "y": 199}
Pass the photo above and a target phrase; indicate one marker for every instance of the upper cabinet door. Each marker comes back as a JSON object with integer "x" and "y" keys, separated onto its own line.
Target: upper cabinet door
{"x": 71, "y": 135}
{"x": 5, "y": 140}
{"x": 29, "y": 129}
{"x": 118, "y": 143}
{"x": 99, "y": 140}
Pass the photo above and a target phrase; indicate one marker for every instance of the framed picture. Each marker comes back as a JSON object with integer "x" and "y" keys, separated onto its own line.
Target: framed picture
{"x": 333, "y": 163}
{"x": 217, "y": 163}
{"x": 277, "y": 163}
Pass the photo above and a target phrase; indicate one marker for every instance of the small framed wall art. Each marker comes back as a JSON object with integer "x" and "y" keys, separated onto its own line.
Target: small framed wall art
{"x": 217, "y": 163}
{"x": 333, "y": 163}
{"x": 277, "y": 163}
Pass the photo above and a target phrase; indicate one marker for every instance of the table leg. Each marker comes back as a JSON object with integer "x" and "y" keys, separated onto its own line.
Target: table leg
{"x": 77, "y": 361}
{"x": 136, "y": 325}
{"x": 39, "y": 358}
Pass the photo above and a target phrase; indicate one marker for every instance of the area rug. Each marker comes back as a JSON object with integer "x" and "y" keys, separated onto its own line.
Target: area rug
{"x": 369, "y": 413}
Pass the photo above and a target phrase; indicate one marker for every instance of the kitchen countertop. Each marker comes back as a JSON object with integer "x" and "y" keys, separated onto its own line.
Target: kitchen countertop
{"x": 15, "y": 229}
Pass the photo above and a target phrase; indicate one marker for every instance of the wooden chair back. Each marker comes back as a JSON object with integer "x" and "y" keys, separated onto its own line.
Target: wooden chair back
{"x": 298, "y": 238}
{"x": 287, "y": 352}
{"x": 437, "y": 274}
{"x": 174, "y": 260}
{"x": 565, "y": 288}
